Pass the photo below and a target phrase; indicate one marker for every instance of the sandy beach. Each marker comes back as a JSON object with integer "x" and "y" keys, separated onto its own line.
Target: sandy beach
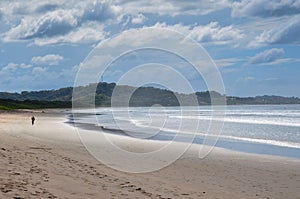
{"x": 47, "y": 160}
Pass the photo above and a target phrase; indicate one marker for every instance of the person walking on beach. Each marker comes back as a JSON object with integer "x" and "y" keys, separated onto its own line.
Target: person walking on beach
{"x": 32, "y": 120}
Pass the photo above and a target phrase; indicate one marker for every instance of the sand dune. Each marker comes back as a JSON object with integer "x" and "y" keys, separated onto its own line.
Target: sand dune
{"x": 48, "y": 160}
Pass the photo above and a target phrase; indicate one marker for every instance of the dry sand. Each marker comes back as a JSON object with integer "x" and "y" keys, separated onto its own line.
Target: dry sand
{"x": 48, "y": 160}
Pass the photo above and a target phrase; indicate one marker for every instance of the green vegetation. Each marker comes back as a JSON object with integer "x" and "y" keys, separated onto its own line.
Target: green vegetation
{"x": 8, "y": 104}
{"x": 144, "y": 96}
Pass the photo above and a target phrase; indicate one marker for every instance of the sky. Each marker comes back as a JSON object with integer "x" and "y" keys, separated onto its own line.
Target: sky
{"x": 254, "y": 44}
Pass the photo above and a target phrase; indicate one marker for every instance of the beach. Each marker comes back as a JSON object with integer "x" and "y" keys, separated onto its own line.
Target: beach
{"x": 48, "y": 160}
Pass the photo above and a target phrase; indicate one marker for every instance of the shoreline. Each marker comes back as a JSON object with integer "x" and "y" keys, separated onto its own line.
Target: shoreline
{"x": 48, "y": 160}
{"x": 233, "y": 144}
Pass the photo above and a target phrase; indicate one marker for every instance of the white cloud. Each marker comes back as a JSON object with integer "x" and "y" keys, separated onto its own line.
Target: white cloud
{"x": 226, "y": 62}
{"x": 267, "y": 56}
{"x": 97, "y": 11}
{"x": 271, "y": 57}
{"x": 176, "y": 27}
{"x": 87, "y": 33}
{"x": 25, "y": 66}
{"x": 41, "y": 20}
{"x": 138, "y": 19}
{"x": 54, "y": 23}
{"x": 265, "y": 8}
{"x": 87, "y": 10}
{"x": 43, "y": 7}
{"x": 172, "y": 7}
{"x": 50, "y": 59}
{"x": 59, "y": 21}
{"x": 69, "y": 21}
{"x": 285, "y": 60}
{"x": 11, "y": 67}
{"x": 211, "y": 33}
{"x": 39, "y": 70}
{"x": 284, "y": 33}
{"x": 20, "y": 8}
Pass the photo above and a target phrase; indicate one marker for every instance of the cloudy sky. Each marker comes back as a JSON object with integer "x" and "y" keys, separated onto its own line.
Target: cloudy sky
{"x": 254, "y": 43}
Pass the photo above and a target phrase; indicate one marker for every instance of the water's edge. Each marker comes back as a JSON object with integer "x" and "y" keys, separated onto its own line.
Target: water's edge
{"x": 230, "y": 144}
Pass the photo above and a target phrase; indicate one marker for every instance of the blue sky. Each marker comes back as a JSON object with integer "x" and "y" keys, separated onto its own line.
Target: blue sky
{"x": 255, "y": 44}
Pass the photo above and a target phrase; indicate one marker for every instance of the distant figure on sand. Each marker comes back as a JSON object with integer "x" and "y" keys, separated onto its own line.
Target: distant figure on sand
{"x": 32, "y": 120}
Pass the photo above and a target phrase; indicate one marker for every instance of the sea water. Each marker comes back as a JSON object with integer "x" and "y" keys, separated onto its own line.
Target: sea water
{"x": 263, "y": 129}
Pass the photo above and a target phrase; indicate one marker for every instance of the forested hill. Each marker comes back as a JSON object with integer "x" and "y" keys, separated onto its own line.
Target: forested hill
{"x": 144, "y": 96}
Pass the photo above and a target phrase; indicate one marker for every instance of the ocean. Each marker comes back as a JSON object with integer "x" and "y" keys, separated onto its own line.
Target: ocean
{"x": 259, "y": 129}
